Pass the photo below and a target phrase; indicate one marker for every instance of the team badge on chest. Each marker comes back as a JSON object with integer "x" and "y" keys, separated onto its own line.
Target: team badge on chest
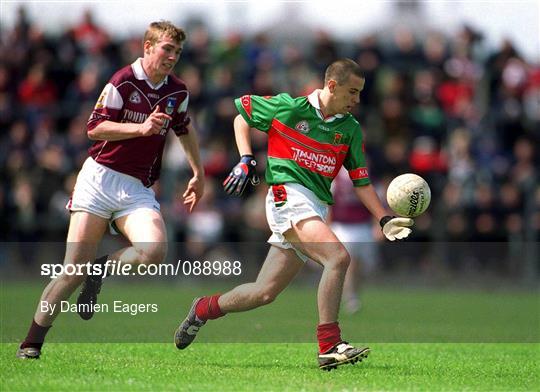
{"x": 337, "y": 137}
{"x": 135, "y": 97}
{"x": 302, "y": 127}
{"x": 171, "y": 103}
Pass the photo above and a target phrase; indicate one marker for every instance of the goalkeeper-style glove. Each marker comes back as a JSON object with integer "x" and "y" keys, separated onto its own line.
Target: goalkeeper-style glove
{"x": 237, "y": 180}
{"x": 396, "y": 228}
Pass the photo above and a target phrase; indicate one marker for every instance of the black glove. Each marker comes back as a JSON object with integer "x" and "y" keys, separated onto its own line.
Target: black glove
{"x": 237, "y": 180}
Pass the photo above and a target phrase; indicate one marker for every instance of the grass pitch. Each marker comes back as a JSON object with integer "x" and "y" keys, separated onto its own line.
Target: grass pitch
{"x": 272, "y": 367}
{"x": 421, "y": 339}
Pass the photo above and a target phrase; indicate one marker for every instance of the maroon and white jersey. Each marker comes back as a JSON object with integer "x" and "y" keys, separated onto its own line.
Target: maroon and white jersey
{"x": 347, "y": 207}
{"x": 130, "y": 97}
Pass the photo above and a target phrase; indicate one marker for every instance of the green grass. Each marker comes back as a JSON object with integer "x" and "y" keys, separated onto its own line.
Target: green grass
{"x": 422, "y": 339}
{"x": 391, "y": 315}
{"x": 248, "y": 367}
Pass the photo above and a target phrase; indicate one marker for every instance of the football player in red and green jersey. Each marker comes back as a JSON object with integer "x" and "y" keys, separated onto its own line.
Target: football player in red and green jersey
{"x": 309, "y": 140}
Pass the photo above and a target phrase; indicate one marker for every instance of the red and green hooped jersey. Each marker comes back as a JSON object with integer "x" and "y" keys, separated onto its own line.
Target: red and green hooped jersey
{"x": 303, "y": 147}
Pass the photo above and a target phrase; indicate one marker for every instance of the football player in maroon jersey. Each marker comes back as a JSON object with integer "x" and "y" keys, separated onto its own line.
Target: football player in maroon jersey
{"x": 140, "y": 104}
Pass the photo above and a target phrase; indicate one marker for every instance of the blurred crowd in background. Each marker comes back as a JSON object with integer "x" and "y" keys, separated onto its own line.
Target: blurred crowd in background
{"x": 464, "y": 116}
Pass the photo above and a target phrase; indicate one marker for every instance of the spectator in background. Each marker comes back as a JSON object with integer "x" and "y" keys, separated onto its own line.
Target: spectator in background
{"x": 89, "y": 36}
{"x": 427, "y": 118}
{"x": 197, "y": 52}
{"x": 37, "y": 93}
{"x": 426, "y": 158}
{"x": 369, "y": 56}
{"x": 325, "y": 51}
{"x": 461, "y": 165}
{"x": 80, "y": 93}
{"x": 7, "y": 103}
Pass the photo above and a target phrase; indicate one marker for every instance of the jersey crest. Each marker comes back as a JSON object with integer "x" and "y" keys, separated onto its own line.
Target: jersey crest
{"x": 302, "y": 126}
{"x": 135, "y": 97}
{"x": 171, "y": 103}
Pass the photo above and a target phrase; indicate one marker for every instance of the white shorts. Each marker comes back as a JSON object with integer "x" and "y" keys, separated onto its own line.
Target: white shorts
{"x": 109, "y": 194}
{"x": 288, "y": 204}
{"x": 359, "y": 241}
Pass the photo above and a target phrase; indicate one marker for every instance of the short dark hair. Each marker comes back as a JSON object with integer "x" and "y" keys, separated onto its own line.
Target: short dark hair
{"x": 341, "y": 69}
{"x": 156, "y": 29}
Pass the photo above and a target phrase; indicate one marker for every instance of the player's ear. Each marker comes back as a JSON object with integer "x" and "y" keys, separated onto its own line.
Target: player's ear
{"x": 147, "y": 45}
{"x": 331, "y": 85}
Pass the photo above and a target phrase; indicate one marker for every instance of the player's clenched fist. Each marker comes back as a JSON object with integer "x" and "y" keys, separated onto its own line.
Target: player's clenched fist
{"x": 154, "y": 123}
{"x": 238, "y": 178}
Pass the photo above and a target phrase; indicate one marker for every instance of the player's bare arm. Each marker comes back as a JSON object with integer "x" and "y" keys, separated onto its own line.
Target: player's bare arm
{"x": 370, "y": 199}
{"x": 245, "y": 170}
{"x": 242, "y": 135}
{"x": 394, "y": 228}
{"x": 195, "y": 187}
{"x": 113, "y": 131}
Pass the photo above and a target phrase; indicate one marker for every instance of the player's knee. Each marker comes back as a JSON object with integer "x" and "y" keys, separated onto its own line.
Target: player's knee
{"x": 152, "y": 253}
{"x": 341, "y": 260}
{"x": 344, "y": 259}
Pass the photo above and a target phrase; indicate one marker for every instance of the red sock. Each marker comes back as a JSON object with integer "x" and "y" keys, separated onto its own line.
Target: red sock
{"x": 328, "y": 336}
{"x": 36, "y": 336}
{"x": 208, "y": 308}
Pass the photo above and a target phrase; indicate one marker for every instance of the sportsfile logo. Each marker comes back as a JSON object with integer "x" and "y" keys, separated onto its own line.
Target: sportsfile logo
{"x": 321, "y": 163}
{"x": 117, "y": 267}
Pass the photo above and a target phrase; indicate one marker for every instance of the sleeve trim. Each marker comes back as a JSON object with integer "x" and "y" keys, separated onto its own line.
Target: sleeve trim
{"x": 359, "y": 174}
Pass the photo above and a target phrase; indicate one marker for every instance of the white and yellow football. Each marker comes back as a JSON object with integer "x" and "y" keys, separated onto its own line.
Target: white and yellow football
{"x": 408, "y": 195}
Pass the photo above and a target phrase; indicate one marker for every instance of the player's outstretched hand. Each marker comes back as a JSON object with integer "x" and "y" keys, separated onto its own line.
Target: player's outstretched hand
{"x": 194, "y": 192}
{"x": 396, "y": 228}
{"x": 244, "y": 171}
{"x": 154, "y": 122}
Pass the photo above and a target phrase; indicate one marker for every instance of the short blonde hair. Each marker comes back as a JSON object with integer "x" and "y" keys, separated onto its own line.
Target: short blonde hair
{"x": 163, "y": 27}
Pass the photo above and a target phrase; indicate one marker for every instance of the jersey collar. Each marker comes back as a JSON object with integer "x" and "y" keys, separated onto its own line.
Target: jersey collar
{"x": 313, "y": 99}
{"x": 139, "y": 73}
